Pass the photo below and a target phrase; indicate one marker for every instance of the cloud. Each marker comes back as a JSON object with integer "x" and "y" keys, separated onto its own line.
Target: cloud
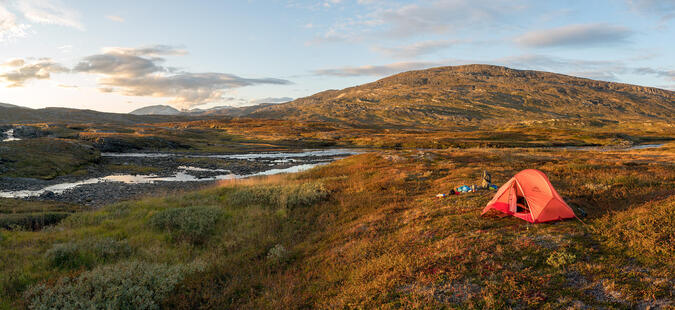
{"x": 115, "y": 18}
{"x": 444, "y": 15}
{"x": 416, "y": 49}
{"x": 16, "y": 62}
{"x": 138, "y": 72}
{"x": 663, "y": 8}
{"x": 670, "y": 74}
{"x": 376, "y": 70}
{"x": 271, "y": 100}
{"x": 8, "y": 26}
{"x": 50, "y": 12}
{"x": 22, "y": 72}
{"x": 391, "y": 20}
{"x": 153, "y": 50}
{"x": 580, "y": 35}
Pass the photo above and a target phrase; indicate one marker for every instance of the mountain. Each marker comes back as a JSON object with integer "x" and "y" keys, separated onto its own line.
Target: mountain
{"x": 14, "y": 115}
{"x": 7, "y": 105}
{"x": 470, "y": 94}
{"x": 156, "y": 110}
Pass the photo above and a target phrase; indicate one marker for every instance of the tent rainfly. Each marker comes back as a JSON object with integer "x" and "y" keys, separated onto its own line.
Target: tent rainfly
{"x": 530, "y": 196}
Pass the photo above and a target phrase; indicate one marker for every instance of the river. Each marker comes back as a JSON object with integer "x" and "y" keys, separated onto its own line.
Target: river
{"x": 118, "y": 186}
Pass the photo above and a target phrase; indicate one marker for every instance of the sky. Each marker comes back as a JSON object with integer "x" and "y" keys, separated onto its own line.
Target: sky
{"x": 117, "y": 56}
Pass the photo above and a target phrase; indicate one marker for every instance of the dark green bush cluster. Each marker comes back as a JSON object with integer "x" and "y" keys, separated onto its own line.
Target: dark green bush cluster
{"x": 31, "y": 221}
{"x": 128, "y": 285}
{"x": 279, "y": 196}
{"x": 192, "y": 224}
{"x": 72, "y": 255}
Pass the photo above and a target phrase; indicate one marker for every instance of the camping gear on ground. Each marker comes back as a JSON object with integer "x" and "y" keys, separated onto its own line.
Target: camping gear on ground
{"x": 440, "y": 196}
{"x": 464, "y": 189}
{"x": 492, "y": 186}
{"x": 487, "y": 180}
{"x": 452, "y": 192}
{"x": 530, "y": 196}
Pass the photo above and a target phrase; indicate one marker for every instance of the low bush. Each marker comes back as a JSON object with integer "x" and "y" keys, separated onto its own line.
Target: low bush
{"x": 192, "y": 224}
{"x": 31, "y": 221}
{"x": 71, "y": 255}
{"x": 108, "y": 249}
{"x": 67, "y": 256}
{"x": 278, "y": 196}
{"x": 128, "y": 285}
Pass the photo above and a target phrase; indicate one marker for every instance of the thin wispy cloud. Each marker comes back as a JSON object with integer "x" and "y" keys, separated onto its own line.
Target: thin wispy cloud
{"x": 139, "y": 72}
{"x": 50, "y": 12}
{"x": 416, "y": 49}
{"x": 376, "y": 70}
{"x": 581, "y": 35}
{"x": 271, "y": 100}
{"x": 665, "y": 9}
{"x": 115, "y": 18}
{"x": 9, "y": 28}
{"x": 390, "y": 20}
{"x": 34, "y": 11}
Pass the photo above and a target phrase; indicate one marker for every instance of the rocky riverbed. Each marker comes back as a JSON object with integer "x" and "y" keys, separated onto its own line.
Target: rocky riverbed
{"x": 123, "y": 176}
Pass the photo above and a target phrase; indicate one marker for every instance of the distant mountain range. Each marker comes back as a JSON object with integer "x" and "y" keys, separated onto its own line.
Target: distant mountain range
{"x": 436, "y": 97}
{"x": 12, "y": 114}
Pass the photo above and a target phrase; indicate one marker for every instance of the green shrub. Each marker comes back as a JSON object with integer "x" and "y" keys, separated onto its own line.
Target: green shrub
{"x": 560, "y": 259}
{"x": 108, "y": 249}
{"x": 31, "y": 221}
{"x": 67, "y": 256}
{"x": 278, "y": 196}
{"x": 128, "y": 285}
{"x": 193, "y": 224}
{"x": 87, "y": 253}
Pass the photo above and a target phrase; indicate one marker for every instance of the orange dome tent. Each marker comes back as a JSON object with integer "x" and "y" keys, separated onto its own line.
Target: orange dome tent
{"x": 530, "y": 196}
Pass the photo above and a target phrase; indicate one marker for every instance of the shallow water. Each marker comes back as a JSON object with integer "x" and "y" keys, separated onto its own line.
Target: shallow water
{"x": 182, "y": 175}
{"x": 280, "y": 156}
{"x": 10, "y": 136}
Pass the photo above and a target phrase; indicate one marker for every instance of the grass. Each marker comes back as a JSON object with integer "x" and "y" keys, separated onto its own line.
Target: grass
{"x": 33, "y": 215}
{"x": 45, "y": 158}
{"x": 367, "y": 232}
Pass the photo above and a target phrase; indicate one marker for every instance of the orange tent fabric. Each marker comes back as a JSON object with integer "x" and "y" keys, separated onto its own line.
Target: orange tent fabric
{"x": 544, "y": 203}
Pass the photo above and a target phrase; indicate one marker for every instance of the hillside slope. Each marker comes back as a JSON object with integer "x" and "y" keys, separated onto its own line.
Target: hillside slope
{"x": 465, "y": 94}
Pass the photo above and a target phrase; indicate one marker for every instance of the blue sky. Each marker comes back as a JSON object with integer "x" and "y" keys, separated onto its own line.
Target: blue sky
{"x": 121, "y": 55}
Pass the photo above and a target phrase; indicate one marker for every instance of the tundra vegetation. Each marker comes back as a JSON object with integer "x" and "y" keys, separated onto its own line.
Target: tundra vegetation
{"x": 365, "y": 232}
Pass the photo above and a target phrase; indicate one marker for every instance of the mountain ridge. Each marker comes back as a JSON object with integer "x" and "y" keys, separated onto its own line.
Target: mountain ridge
{"x": 471, "y": 93}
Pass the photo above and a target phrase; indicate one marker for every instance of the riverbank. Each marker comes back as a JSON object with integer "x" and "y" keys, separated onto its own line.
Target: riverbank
{"x": 368, "y": 232}
{"x": 123, "y": 176}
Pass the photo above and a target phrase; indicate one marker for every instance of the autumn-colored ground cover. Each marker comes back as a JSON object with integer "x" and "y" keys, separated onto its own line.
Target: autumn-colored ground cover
{"x": 367, "y": 232}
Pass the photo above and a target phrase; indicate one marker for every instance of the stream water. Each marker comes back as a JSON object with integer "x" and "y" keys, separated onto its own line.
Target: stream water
{"x": 299, "y": 161}
{"x": 10, "y": 136}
